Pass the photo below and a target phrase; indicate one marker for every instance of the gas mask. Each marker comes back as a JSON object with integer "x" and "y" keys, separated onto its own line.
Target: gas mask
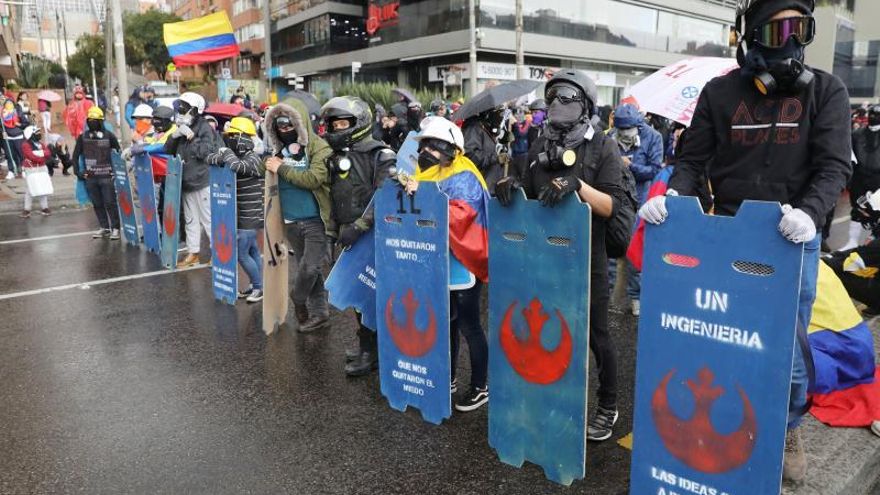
{"x": 161, "y": 125}
{"x": 556, "y": 157}
{"x": 627, "y": 138}
{"x": 774, "y": 58}
{"x": 95, "y": 125}
{"x": 239, "y": 143}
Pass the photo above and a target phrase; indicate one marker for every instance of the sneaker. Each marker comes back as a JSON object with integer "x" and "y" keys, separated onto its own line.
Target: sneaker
{"x": 601, "y": 424}
{"x": 256, "y": 296}
{"x": 473, "y": 399}
{"x": 45, "y": 212}
{"x": 313, "y": 324}
{"x": 114, "y": 235}
{"x": 453, "y": 386}
{"x": 101, "y": 233}
{"x": 635, "y": 307}
{"x": 245, "y": 293}
{"x": 190, "y": 260}
{"x": 25, "y": 214}
{"x": 794, "y": 463}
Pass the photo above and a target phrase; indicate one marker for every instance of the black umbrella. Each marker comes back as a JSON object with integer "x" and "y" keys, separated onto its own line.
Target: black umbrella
{"x": 495, "y": 96}
{"x": 405, "y": 94}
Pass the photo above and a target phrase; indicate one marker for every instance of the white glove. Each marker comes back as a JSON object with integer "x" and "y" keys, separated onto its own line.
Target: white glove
{"x": 796, "y": 225}
{"x": 126, "y": 154}
{"x": 654, "y": 210}
{"x": 873, "y": 199}
{"x": 185, "y": 131}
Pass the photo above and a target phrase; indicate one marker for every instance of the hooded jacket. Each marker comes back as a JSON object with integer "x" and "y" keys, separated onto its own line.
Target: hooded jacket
{"x": 316, "y": 178}
{"x": 193, "y": 152}
{"x": 647, "y": 158}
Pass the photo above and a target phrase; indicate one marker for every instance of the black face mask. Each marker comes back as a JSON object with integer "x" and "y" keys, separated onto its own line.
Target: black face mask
{"x": 873, "y": 119}
{"x": 288, "y": 137}
{"x": 777, "y": 61}
{"x": 37, "y": 137}
{"x": 427, "y": 159}
{"x": 564, "y": 115}
{"x": 161, "y": 125}
{"x": 94, "y": 125}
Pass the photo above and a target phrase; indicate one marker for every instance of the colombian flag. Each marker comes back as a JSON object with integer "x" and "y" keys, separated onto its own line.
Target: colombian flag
{"x": 846, "y": 392}
{"x": 202, "y": 40}
{"x": 468, "y": 212}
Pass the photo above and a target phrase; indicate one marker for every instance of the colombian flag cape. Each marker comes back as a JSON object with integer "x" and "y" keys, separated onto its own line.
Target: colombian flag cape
{"x": 468, "y": 212}
{"x": 201, "y": 40}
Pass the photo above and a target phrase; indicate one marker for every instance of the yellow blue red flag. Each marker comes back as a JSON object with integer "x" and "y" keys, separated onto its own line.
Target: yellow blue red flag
{"x": 202, "y": 40}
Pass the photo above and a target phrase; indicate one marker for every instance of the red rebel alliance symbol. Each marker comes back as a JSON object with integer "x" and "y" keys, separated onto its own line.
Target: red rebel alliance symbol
{"x": 169, "y": 220}
{"x": 695, "y": 442}
{"x": 125, "y": 203}
{"x": 223, "y": 242}
{"x": 408, "y": 338}
{"x": 149, "y": 211}
{"x": 528, "y": 357}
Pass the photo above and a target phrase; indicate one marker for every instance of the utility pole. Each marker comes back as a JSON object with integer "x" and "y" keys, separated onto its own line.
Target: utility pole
{"x": 472, "y": 23}
{"x": 520, "y": 56}
{"x": 119, "y": 46}
{"x": 108, "y": 53}
{"x": 58, "y": 36}
{"x": 94, "y": 79}
{"x": 39, "y": 18}
{"x": 267, "y": 46}
{"x": 64, "y": 29}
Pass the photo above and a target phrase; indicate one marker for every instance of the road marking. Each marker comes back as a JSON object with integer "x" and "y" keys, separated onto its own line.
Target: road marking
{"x": 48, "y": 237}
{"x": 92, "y": 283}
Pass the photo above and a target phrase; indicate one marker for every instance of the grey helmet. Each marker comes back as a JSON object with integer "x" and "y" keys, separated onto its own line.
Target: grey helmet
{"x": 350, "y": 108}
{"x": 580, "y": 79}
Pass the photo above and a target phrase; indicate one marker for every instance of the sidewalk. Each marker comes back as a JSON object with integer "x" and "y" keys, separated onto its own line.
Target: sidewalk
{"x": 12, "y": 194}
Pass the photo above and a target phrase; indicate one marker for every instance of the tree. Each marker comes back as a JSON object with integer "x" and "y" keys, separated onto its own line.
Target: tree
{"x": 88, "y": 46}
{"x": 145, "y": 31}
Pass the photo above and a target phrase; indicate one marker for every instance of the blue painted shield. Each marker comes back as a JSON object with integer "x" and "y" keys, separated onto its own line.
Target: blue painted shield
{"x": 539, "y": 267}
{"x": 408, "y": 154}
{"x": 171, "y": 213}
{"x": 716, "y": 334}
{"x": 143, "y": 173}
{"x": 224, "y": 243}
{"x": 412, "y": 299}
{"x": 124, "y": 200}
{"x": 352, "y": 281}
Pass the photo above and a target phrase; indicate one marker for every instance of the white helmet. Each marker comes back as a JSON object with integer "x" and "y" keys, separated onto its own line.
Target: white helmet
{"x": 442, "y": 129}
{"x": 194, "y": 100}
{"x": 29, "y": 131}
{"x": 142, "y": 111}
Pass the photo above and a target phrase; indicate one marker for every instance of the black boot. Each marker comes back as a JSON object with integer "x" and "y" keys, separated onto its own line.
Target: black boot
{"x": 363, "y": 364}
{"x": 301, "y": 312}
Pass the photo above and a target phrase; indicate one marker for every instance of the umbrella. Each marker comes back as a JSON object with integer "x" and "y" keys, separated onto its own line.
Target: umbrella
{"x": 495, "y": 96}
{"x": 307, "y": 98}
{"x": 227, "y": 110}
{"x": 672, "y": 91}
{"x": 405, "y": 94}
{"x": 48, "y": 95}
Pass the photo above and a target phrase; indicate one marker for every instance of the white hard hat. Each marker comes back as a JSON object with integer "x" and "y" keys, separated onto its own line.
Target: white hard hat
{"x": 194, "y": 100}
{"x": 29, "y": 131}
{"x": 442, "y": 129}
{"x": 142, "y": 111}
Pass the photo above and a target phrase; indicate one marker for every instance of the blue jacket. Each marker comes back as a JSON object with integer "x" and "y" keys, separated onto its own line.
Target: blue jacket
{"x": 130, "y": 106}
{"x": 647, "y": 159}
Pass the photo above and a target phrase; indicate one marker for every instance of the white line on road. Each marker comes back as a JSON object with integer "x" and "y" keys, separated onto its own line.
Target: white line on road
{"x": 90, "y": 284}
{"x": 46, "y": 238}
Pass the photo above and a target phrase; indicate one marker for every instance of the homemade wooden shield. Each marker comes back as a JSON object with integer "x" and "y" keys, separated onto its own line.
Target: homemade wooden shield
{"x": 143, "y": 173}
{"x": 539, "y": 268}
{"x": 124, "y": 200}
{"x": 719, "y": 309}
{"x": 412, "y": 299}
{"x": 224, "y": 228}
{"x": 171, "y": 213}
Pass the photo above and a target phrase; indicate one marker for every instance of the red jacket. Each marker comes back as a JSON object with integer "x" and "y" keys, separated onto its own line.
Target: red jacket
{"x": 32, "y": 160}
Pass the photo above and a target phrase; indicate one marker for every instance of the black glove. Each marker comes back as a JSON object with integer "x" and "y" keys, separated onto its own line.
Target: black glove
{"x": 348, "y": 235}
{"x": 558, "y": 189}
{"x": 504, "y": 190}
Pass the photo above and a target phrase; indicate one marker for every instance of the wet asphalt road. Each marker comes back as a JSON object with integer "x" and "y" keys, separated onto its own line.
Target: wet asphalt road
{"x": 150, "y": 386}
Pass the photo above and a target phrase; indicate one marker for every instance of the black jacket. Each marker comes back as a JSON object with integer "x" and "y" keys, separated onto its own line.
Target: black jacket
{"x": 194, "y": 152}
{"x": 351, "y": 192}
{"x": 479, "y": 146}
{"x": 866, "y": 173}
{"x": 793, "y": 149}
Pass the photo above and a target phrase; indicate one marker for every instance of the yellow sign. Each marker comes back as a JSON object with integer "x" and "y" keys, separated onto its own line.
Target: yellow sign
{"x": 171, "y": 67}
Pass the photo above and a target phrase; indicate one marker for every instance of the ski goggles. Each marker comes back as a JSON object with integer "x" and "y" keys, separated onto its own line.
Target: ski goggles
{"x": 181, "y": 107}
{"x": 283, "y": 123}
{"x": 776, "y": 33}
{"x": 564, "y": 93}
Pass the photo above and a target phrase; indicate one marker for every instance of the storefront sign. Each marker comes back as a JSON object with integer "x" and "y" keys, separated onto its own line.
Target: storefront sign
{"x": 381, "y": 16}
{"x": 507, "y": 72}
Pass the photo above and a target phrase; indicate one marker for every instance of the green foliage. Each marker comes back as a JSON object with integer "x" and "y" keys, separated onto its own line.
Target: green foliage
{"x": 143, "y": 32}
{"x": 380, "y": 92}
{"x": 33, "y": 71}
{"x": 88, "y": 46}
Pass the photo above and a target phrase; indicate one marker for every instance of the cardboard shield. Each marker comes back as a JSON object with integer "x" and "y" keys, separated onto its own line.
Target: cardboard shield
{"x": 224, "y": 229}
{"x": 275, "y": 268}
{"x": 171, "y": 213}
{"x": 143, "y": 173}
{"x": 539, "y": 267}
{"x": 124, "y": 200}
{"x": 412, "y": 299}
{"x": 719, "y": 310}
{"x": 352, "y": 281}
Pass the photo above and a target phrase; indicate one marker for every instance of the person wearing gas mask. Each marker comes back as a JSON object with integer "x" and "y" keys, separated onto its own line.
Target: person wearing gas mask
{"x": 91, "y": 158}
{"x": 357, "y": 168}
{"x": 482, "y": 134}
{"x": 299, "y": 157}
{"x": 574, "y": 157}
{"x": 442, "y": 160}
{"x": 238, "y": 154}
{"x": 866, "y": 176}
{"x": 773, "y": 130}
{"x": 193, "y": 140}
{"x": 641, "y": 148}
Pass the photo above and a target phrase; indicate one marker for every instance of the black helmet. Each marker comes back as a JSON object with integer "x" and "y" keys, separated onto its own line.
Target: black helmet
{"x": 579, "y": 79}
{"x": 746, "y": 7}
{"x": 356, "y": 112}
{"x": 538, "y": 104}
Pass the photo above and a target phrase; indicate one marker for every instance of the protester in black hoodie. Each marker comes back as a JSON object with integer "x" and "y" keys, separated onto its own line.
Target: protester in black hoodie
{"x": 773, "y": 130}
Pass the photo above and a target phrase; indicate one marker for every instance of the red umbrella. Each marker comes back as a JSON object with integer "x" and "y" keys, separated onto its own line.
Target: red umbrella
{"x": 48, "y": 95}
{"x": 227, "y": 110}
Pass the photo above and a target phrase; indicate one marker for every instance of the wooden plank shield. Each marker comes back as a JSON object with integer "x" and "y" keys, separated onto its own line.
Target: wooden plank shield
{"x": 539, "y": 272}
{"x": 716, "y": 335}
{"x": 412, "y": 299}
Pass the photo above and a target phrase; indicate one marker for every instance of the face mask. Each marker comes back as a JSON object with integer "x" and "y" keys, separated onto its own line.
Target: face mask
{"x": 161, "y": 125}
{"x": 564, "y": 115}
{"x": 142, "y": 126}
{"x": 183, "y": 119}
{"x": 874, "y": 128}
{"x": 94, "y": 125}
{"x": 288, "y": 137}
{"x": 427, "y": 159}
{"x": 873, "y": 119}
{"x": 776, "y": 61}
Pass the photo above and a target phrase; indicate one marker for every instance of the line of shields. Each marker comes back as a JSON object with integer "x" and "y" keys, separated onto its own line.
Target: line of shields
{"x": 719, "y": 305}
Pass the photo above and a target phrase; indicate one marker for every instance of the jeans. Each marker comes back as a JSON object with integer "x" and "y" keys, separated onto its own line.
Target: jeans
{"x": 633, "y": 278}
{"x": 601, "y": 343}
{"x": 249, "y": 257}
{"x": 799, "y": 376}
{"x": 464, "y": 319}
{"x": 103, "y": 197}
{"x": 14, "y": 161}
{"x": 311, "y": 252}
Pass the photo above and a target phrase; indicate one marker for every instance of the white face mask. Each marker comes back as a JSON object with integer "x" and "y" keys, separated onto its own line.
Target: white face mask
{"x": 630, "y": 133}
{"x": 874, "y": 128}
{"x": 183, "y": 119}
